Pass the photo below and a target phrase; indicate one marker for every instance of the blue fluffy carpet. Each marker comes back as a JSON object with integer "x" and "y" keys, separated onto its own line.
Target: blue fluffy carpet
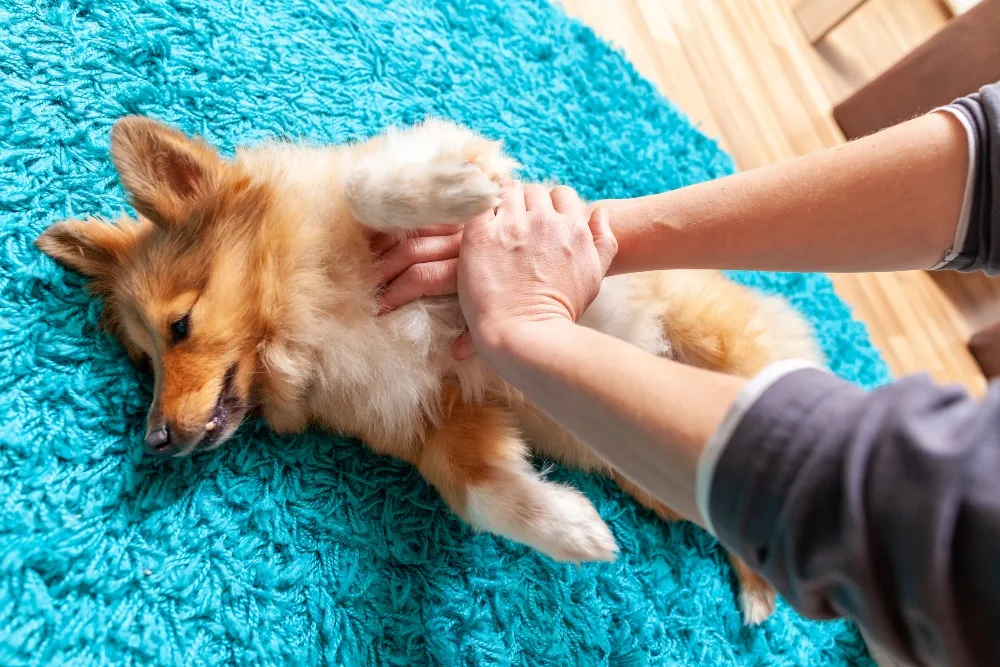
{"x": 310, "y": 550}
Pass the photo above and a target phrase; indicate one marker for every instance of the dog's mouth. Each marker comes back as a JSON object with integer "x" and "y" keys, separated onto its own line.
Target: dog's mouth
{"x": 226, "y": 416}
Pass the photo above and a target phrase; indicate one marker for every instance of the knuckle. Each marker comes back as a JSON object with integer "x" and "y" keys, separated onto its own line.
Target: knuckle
{"x": 427, "y": 274}
{"x": 538, "y": 219}
{"x": 410, "y": 248}
{"x": 415, "y": 275}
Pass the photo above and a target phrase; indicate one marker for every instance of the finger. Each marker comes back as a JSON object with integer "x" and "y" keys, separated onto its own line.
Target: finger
{"x": 380, "y": 242}
{"x": 566, "y": 201}
{"x": 604, "y": 239}
{"x": 536, "y": 198}
{"x": 439, "y": 230}
{"x": 463, "y": 348}
{"x": 513, "y": 199}
{"x": 383, "y": 241}
{"x": 417, "y": 250}
{"x": 432, "y": 279}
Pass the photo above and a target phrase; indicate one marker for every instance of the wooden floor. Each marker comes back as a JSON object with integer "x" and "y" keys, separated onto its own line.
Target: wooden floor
{"x": 745, "y": 73}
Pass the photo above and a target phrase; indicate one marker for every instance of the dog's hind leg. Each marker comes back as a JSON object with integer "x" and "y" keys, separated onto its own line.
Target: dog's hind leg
{"x": 479, "y": 463}
{"x": 432, "y": 173}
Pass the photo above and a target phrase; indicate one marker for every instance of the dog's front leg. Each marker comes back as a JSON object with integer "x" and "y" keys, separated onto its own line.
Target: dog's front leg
{"x": 430, "y": 174}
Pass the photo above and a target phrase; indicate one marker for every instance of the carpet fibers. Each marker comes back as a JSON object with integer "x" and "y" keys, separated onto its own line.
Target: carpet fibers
{"x": 310, "y": 550}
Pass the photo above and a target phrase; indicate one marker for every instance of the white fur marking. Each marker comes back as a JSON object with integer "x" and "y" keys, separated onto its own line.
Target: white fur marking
{"x": 757, "y": 606}
{"x": 554, "y": 519}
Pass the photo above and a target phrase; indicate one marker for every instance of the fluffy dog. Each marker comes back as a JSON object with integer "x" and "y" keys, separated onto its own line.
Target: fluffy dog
{"x": 248, "y": 285}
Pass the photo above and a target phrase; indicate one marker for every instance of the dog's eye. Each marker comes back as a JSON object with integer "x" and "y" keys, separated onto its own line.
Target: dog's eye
{"x": 179, "y": 329}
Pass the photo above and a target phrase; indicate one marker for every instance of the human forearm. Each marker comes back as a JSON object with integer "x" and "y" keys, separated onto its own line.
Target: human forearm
{"x": 902, "y": 199}
{"x": 587, "y": 382}
{"x": 885, "y": 202}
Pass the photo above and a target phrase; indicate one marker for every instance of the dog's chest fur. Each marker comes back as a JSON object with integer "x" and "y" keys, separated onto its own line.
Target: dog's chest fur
{"x": 351, "y": 370}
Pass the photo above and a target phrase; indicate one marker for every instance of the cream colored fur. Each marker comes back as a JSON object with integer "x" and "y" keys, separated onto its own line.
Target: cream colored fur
{"x": 291, "y": 276}
{"x": 393, "y": 367}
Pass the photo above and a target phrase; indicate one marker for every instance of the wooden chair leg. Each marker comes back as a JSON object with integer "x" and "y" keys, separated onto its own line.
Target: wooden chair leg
{"x": 985, "y": 348}
{"x": 958, "y": 60}
{"x": 819, "y": 17}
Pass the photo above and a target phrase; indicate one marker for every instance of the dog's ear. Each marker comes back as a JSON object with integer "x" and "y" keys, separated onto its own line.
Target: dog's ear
{"x": 94, "y": 248}
{"x": 163, "y": 170}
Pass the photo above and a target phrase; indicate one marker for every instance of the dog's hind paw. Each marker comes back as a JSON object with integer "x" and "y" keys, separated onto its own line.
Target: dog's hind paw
{"x": 757, "y": 605}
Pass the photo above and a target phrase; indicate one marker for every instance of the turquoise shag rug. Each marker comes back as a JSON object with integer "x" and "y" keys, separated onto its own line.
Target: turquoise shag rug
{"x": 310, "y": 550}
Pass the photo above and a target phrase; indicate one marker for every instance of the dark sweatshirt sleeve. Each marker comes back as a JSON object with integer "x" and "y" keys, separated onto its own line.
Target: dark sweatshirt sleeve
{"x": 883, "y": 507}
{"x": 978, "y": 249}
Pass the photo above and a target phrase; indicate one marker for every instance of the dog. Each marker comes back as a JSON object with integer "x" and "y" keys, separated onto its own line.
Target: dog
{"x": 248, "y": 285}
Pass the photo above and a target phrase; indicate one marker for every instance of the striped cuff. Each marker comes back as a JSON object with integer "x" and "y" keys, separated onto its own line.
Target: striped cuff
{"x": 716, "y": 445}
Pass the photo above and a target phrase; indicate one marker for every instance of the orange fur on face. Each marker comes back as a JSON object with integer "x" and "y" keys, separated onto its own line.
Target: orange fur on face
{"x": 264, "y": 259}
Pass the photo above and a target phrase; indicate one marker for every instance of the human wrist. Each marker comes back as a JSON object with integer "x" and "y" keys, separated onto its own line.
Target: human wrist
{"x": 646, "y": 230}
{"x": 505, "y": 340}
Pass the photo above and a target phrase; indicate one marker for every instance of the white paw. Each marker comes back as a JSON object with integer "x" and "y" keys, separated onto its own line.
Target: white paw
{"x": 554, "y": 519}
{"x": 434, "y": 173}
{"x": 574, "y": 532}
{"x": 757, "y": 605}
{"x": 460, "y": 191}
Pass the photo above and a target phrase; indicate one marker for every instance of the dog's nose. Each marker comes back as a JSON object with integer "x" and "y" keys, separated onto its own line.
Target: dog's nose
{"x": 158, "y": 442}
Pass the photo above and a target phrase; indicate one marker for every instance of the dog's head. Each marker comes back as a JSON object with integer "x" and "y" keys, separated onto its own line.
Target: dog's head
{"x": 181, "y": 284}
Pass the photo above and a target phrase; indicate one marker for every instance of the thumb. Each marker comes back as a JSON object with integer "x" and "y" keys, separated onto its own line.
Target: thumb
{"x": 604, "y": 239}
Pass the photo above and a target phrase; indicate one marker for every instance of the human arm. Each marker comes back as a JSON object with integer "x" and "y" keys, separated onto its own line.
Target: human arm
{"x": 525, "y": 277}
{"x": 905, "y": 198}
{"x": 656, "y": 447}
{"x": 883, "y": 507}
{"x": 922, "y": 194}
{"x": 885, "y": 202}
{"x": 889, "y": 201}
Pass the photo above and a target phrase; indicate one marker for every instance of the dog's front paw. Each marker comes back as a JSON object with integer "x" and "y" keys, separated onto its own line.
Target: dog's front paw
{"x": 434, "y": 173}
{"x": 461, "y": 191}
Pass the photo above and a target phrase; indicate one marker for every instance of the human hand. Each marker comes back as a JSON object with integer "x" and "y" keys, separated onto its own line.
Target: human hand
{"x": 418, "y": 266}
{"x": 538, "y": 259}
{"x": 425, "y": 264}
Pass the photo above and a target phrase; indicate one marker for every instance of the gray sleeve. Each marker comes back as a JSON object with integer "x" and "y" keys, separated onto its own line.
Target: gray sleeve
{"x": 979, "y": 249}
{"x": 883, "y": 507}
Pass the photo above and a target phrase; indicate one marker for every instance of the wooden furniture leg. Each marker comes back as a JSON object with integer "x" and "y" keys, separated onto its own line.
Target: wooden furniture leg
{"x": 818, "y": 17}
{"x": 985, "y": 348}
{"x": 958, "y": 60}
